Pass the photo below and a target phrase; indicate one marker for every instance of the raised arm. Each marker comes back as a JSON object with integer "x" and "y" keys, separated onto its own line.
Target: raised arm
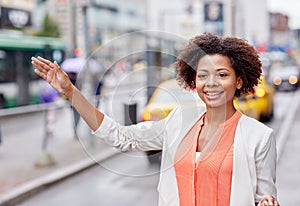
{"x": 59, "y": 80}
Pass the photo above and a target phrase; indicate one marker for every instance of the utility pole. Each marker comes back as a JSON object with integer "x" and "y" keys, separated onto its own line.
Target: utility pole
{"x": 85, "y": 7}
{"x": 86, "y": 84}
{"x": 73, "y": 27}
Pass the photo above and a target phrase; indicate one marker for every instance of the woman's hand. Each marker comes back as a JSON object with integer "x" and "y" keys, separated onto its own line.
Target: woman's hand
{"x": 268, "y": 200}
{"x": 53, "y": 74}
{"x": 59, "y": 80}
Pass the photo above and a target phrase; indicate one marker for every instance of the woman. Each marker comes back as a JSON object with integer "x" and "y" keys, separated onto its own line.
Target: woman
{"x": 211, "y": 156}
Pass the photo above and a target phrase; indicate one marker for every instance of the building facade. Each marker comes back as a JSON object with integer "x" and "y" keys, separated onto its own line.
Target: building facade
{"x": 106, "y": 19}
{"x": 93, "y": 22}
{"x": 225, "y": 17}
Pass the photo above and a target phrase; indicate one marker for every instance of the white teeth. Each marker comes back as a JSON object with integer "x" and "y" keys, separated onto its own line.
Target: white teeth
{"x": 212, "y": 93}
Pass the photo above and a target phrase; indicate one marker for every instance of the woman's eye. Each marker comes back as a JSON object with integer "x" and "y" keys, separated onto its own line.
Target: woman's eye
{"x": 202, "y": 76}
{"x": 222, "y": 75}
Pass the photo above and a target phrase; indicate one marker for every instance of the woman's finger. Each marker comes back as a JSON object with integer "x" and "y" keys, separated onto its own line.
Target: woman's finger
{"x": 268, "y": 200}
{"x": 45, "y": 61}
{"x": 57, "y": 65}
{"x": 265, "y": 203}
{"x": 41, "y": 74}
{"x": 40, "y": 65}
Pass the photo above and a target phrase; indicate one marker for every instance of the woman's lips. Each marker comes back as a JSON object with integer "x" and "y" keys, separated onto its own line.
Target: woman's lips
{"x": 213, "y": 94}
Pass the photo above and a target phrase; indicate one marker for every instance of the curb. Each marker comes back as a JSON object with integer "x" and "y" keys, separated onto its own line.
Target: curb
{"x": 30, "y": 188}
{"x": 20, "y": 110}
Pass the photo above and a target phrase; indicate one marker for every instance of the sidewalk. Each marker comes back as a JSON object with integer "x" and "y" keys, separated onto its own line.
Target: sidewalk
{"x": 21, "y": 150}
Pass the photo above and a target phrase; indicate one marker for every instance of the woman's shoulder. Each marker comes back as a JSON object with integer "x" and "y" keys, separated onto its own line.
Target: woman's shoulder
{"x": 251, "y": 123}
{"x": 254, "y": 132}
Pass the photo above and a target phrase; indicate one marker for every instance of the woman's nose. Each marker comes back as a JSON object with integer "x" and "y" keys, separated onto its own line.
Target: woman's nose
{"x": 212, "y": 80}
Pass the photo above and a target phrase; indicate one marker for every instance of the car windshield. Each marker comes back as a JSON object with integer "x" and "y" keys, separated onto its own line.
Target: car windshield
{"x": 175, "y": 96}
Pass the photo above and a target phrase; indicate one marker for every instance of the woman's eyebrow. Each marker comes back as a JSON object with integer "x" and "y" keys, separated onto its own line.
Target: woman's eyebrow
{"x": 222, "y": 68}
{"x": 206, "y": 70}
{"x": 202, "y": 70}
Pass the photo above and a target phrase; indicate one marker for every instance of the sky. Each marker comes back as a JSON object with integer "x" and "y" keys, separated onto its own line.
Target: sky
{"x": 288, "y": 7}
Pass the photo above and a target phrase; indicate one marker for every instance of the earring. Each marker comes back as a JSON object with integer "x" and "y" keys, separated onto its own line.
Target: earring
{"x": 193, "y": 84}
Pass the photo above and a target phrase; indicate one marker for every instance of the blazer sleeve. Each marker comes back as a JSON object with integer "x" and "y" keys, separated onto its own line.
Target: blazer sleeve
{"x": 144, "y": 136}
{"x": 266, "y": 166}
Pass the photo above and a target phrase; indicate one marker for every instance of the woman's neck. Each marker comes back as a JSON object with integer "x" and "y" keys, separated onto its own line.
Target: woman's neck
{"x": 216, "y": 116}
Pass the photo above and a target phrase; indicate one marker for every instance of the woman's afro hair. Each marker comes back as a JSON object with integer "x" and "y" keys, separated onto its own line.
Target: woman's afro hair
{"x": 243, "y": 57}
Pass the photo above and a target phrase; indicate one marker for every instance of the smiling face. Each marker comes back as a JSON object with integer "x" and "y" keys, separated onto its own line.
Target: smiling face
{"x": 216, "y": 81}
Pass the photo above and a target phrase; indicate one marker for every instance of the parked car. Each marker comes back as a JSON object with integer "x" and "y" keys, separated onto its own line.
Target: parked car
{"x": 260, "y": 104}
{"x": 285, "y": 78}
{"x": 166, "y": 97}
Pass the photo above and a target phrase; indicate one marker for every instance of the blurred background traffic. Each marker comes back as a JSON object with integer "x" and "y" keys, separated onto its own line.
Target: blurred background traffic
{"x": 91, "y": 29}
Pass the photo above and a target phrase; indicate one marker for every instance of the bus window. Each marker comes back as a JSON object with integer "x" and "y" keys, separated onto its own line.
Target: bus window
{"x": 18, "y": 82}
{"x": 7, "y": 70}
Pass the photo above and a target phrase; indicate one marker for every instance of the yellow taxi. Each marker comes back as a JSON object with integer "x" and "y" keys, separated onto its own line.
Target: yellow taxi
{"x": 260, "y": 104}
{"x": 166, "y": 97}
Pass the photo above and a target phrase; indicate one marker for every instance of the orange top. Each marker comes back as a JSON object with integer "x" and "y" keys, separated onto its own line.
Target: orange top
{"x": 206, "y": 181}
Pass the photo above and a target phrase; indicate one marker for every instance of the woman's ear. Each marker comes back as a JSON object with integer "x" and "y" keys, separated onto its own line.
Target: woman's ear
{"x": 239, "y": 83}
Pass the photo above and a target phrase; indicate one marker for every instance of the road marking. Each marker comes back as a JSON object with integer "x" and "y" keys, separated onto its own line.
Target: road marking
{"x": 284, "y": 129}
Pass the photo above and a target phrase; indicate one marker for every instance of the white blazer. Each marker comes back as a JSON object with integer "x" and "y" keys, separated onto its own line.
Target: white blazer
{"x": 254, "y": 165}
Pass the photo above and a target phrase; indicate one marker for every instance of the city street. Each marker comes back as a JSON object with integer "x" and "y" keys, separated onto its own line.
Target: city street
{"x": 128, "y": 179}
{"x": 119, "y": 54}
{"x": 125, "y": 179}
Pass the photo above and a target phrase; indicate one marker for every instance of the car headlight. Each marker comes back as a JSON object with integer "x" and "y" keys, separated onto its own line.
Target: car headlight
{"x": 293, "y": 79}
{"x": 260, "y": 92}
{"x": 277, "y": 80}
{"x": 146, "y": 116}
